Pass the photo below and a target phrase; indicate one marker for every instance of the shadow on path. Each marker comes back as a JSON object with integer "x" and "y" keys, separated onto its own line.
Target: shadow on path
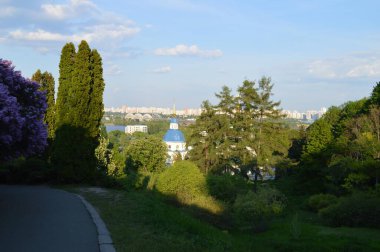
{"x": 39, "y": 218}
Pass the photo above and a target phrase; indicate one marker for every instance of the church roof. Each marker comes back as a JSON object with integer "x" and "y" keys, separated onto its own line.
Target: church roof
{"x": 174, "y": 135}
{"x": 173, "y": 120}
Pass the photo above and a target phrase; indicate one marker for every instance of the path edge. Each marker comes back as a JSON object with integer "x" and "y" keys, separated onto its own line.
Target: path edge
{"x": 104, "y": 237}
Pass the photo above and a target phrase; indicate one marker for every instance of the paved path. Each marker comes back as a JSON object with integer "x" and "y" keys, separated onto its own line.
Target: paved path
{"x": 38, "y": 218}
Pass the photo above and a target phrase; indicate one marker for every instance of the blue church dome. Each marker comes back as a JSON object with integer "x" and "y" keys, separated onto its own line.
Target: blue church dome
{"x": 173, "y": 120}
{"x": 174, "y": 135}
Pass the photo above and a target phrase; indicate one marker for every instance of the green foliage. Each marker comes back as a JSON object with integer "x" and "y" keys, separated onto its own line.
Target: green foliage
{"x": 66, "y": 70}
{"x": 26, "y": 171}
{"x": 319, "y": 201}
{"x": 47, "y": 83}
{"x": 146, "y": 155}
{"x": 79, "y": 111}
{"x": 74, "y": 161}
{"x": 182, "y": 180}
{"x": 375, "y": 96}
{"x": 95, "y": 105}
{"x": 255, "y": 209}
{"x": 142, "y": 221}
{"x": 358, "y": 210}
{"x": 242, "y": 131}
{"x": 226, "y": 187}
{"x": 319, "y": 135}
{"x": 106, "y": 161}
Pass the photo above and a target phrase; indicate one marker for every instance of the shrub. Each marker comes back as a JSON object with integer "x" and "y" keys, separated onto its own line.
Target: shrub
{"x": 186, "y": 182}
{"x": 255, "y": 209}
{"x": 226, "y": 187}
{"x": 358, "y": 210}
{"x": 29, "y": 171}
{"x": 183, "y": 180}
{"x": 320, "y": 201}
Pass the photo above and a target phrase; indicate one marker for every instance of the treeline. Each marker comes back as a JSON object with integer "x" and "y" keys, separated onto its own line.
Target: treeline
{"x": 340, "y": 163}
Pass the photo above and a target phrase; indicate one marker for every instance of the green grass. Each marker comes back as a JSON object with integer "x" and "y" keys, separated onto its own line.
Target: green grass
{"x": 142, "y": 221}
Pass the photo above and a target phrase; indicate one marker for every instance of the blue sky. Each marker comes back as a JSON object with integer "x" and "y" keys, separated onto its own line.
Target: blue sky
{"x": 157, "y": 52}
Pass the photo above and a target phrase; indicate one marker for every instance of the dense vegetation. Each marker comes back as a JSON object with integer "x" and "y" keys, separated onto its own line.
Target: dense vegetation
{"x": 22, "y": 108}
{"x": 247, "y": 173}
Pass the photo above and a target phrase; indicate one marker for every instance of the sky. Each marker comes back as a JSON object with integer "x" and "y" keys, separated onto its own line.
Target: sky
{"x": 318, "y": 53}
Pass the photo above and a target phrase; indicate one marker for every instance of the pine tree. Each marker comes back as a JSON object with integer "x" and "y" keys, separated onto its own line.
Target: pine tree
{"x": 66, "y": 69}
{"x": 46, "y": 81}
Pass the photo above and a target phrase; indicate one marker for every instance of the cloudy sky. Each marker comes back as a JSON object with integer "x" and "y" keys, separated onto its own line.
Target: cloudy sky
{"x": 156, "y": 52}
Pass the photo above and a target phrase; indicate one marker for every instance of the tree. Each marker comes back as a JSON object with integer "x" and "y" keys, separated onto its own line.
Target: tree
{"x": 79, "y": 110}
{"x": 257, "y": 124}
{"x": 46, "y": 81}
{"x": 22, "y": 107}
{"x": 96, "y": 107}
{"x": 203, "y": 139}
{"x": 375, "y": 96}
{"x": 66, "y": 69}
{"x": 146, "y": 155}
{"x": 80, "y": 90}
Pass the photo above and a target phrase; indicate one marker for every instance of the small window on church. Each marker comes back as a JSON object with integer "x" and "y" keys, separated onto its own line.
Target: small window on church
{"x": 169, "y": 146}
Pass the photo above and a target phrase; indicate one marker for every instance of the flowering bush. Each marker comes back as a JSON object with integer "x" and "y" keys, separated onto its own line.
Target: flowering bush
{"x": 22, "y": 107}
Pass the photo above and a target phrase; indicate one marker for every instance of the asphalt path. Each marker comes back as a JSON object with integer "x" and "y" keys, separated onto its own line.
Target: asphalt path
{"x": 39, "y": 218}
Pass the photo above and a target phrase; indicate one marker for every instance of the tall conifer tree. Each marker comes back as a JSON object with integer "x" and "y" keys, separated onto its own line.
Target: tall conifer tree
{"x": 96, "y": 106}
{"x": 47, "y": 83}
{"x": 81, "y": 113}
{"x": 66, "y": 69}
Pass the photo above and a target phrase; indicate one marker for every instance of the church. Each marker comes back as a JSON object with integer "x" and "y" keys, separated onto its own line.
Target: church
{"x": 175, "y": 141}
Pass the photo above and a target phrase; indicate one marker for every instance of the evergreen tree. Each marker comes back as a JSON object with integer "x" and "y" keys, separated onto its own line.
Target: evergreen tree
{"x": 80, "y": 91}
{"x": 66, "y": 69}
{"x": 46, "y": 81}
{"x": 96, "y": 107}
{"x": 203, "y": 139}
{"x": 79, "y": 109}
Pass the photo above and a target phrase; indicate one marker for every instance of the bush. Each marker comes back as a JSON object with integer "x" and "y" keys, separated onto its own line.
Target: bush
{"x": 254, "y": 210}
{"x": 226, "y": 187}
{"x": 183, "y": 180}
{"x": 28, "y": 171}
{"x": 320, "y": 201}
{"x": 358, "y": 210}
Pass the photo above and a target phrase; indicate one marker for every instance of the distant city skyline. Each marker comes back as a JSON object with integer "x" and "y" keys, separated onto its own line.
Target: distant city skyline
{"x": 318, "y": 53}
{"x": 311, "y": 114}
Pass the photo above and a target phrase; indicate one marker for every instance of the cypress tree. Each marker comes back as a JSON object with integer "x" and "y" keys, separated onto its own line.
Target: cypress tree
{"x": 96, "y": 107}
{"x": 47, "y": 83}
{"x": 66, "y": 69}
{"x": 80, "y": 91}
{"x": 80, "y": 111}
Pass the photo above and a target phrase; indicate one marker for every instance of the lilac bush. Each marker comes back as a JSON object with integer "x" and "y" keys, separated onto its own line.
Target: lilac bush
{"x": 22, "y": 107}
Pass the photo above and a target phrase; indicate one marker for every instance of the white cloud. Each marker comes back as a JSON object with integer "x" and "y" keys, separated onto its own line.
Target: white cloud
{"x": 185, "y": 50}
{"x": 38, "y": 35}
{"x": 112, "y": 69}
{"x": 365, "y": 65}
{"x": 165, "y": 69}
{"x": 102, "y": 32}
{"x": 72, "y": 8}
{"x": 367, "y": 70}
{"x": 322, "y": 68}
{"x": 7, "y": 11}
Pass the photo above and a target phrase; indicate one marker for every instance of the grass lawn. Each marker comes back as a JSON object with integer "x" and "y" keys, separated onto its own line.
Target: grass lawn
{"x": 142, "y": 221}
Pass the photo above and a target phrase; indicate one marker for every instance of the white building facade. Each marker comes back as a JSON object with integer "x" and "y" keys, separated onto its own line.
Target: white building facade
{"x": 130, "y": 129}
